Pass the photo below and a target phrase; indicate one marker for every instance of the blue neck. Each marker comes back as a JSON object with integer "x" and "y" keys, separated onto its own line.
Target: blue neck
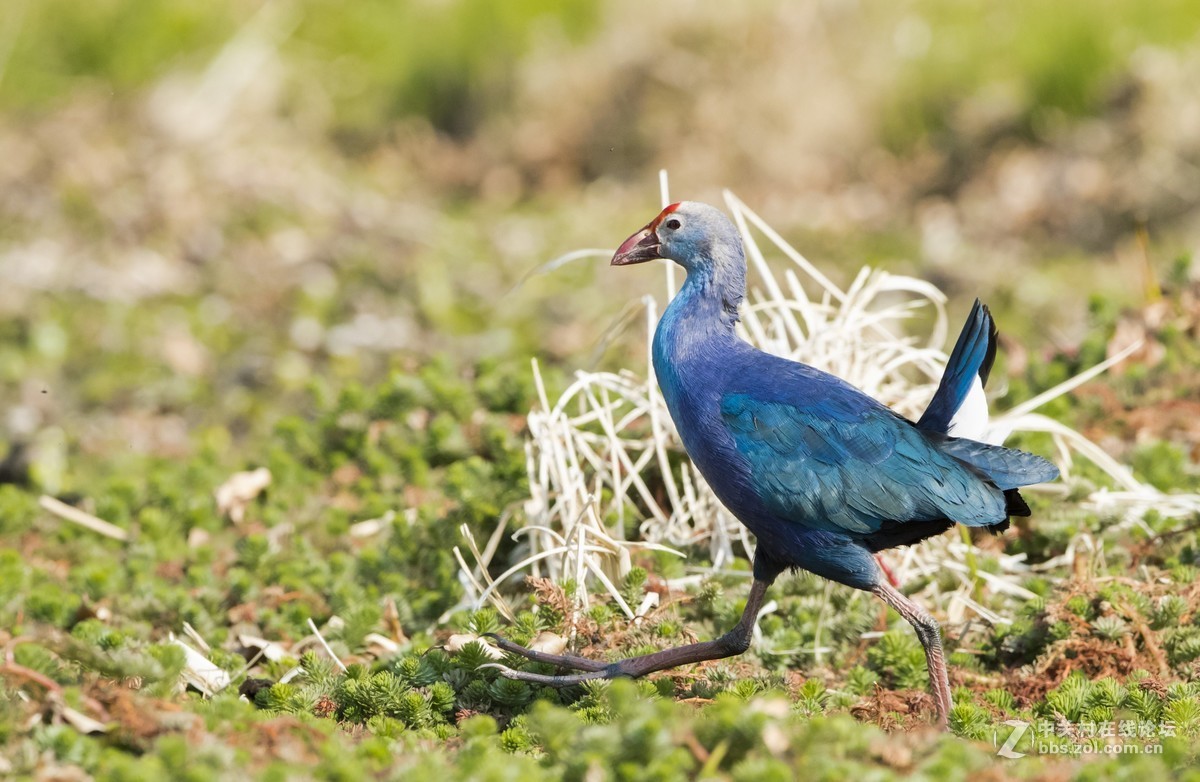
{"x": 697, "y": 325}
{"x": 695, "y": 353}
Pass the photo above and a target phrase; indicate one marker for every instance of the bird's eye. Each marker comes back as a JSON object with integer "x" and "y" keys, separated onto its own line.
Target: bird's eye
{"x": 673, "y": 224}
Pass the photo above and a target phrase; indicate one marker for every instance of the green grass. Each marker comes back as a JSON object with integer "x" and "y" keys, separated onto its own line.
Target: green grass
{"x": 57, "y": 47}
{"x": 1037, "y": 64}
{"x": 450, "y": 63}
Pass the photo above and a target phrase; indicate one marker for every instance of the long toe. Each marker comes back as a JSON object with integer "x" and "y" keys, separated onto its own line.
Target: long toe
{"x": 560, "y": 660}
{"x": 565, "y": 680}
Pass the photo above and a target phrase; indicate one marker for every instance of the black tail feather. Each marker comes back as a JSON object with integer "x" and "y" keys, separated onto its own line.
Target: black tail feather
{"x": 893, "y": 534}
{"x": 906, "y": 533}
{"x": 1016, "y": 503}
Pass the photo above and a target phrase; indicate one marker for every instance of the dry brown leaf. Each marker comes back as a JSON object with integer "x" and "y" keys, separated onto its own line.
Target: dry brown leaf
{"x": 236, "y": 493}
{"x": 548, "y": 642}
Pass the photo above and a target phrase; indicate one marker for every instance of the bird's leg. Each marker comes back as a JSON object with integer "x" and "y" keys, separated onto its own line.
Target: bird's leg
{"x": 887, "y": 570}
{"x": 930, "y": 634}
{"x": 732, "y": 643}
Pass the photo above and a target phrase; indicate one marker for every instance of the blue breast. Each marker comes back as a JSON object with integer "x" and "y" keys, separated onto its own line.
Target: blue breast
{"x": 697, "y": 360}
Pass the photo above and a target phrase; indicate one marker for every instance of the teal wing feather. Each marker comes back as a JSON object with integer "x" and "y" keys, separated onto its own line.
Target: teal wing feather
{"x": 853, "y": 469}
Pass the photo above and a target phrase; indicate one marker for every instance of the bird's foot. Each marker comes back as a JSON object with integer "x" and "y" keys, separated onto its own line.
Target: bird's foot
{"x": 560, "y": 660}
{"x": 592, "y": 669}
{"x": 560, "y": 680}
{"x": 732, "y": 643}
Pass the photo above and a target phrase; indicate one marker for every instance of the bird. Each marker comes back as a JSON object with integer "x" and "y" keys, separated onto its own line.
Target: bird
{"x": 824, "y": 475}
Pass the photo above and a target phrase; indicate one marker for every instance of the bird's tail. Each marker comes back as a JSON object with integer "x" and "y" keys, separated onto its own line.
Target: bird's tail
{"x": 1005, "y": 467}
{"x": 959, "y": 407}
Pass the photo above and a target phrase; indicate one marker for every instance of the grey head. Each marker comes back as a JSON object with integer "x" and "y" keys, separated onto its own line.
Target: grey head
{"x": 701, "y": 239}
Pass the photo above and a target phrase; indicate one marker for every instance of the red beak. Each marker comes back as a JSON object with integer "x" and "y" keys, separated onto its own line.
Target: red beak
{"x": 639, "y": 248}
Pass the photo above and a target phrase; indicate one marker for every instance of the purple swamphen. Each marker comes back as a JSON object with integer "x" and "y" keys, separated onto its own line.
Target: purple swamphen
{"x": 822, "y": 474}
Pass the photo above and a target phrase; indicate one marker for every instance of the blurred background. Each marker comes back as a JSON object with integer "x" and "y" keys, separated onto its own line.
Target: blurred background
{"x": 206, "y": 204}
